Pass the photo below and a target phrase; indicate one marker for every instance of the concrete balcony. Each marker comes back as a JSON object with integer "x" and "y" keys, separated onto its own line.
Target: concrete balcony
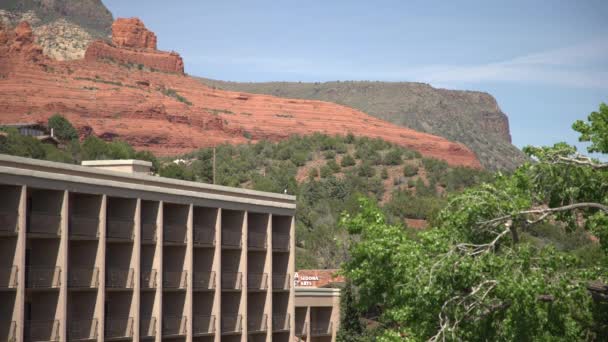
{"x": 119, "y": 229}
{"x": 204, "y": 236}
{"x": 204, "y": 281}
{"x": 232, "y": 281}
{"x": 281, "y": 282}
{"x": 321, "y": 329}
{"x": 118, "y": 328}
{"x": 8, "y": 331}
{"x": 257, "y": 324}
{"x": 8, "y": 223}
{"x": 149, "y": 279}
{"x": 148, "y": 233}
{"x": 174, "y": 326}
{"x": 232, "y": 238}
{"x": 42, "y": 277}
{"x": 280, "y": 322}
{"x": 82, "y": 330}
{"x": 280, "y": 242}
{"x": 41, "y": 331}
{"x": 174, "y": 234}
{"x": 119, "y": 278}
{"x": 232, "y": 323}
{"x": 256, "y": 241}
{"x": 203, "y": 325}
{"x": 8, "y": 278}
{"x": 44, "y": 224}
{"x": 175, "y": 280}
{"x": 147, "y": 327}
{"x": 84, "y": 227}
{"x": 257, "y": 281}
{"x": 83, "y": 278}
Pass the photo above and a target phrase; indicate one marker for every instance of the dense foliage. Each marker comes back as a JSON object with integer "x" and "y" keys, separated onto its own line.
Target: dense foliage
{"x": 509, "y": 260}
{"x": 63, "y": 129}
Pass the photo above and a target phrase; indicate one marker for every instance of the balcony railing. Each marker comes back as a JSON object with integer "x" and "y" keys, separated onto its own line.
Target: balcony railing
{"x": 42, "y": 277}
{"x": 119, "y": 229}
{"x": 257, "y": 281}
{"x": 147, "y": 327}
{"x": 280, "y": 322}
{"x": 204, "y": 236}
{"x": 8, "y": 331}
{"x": 174, "y": 326}
{"x": 83, "y": 277}
{"x": 232, "y": 238}
{"x": 148, "y": 232}
{"x": 321, "y": 329}
{"x": 280, "y": 242}
{"x": 8, "y": 222}
{"x": 8, "y": 277}
{"x": 174, "y": 233}
{"x": 232, "y": 323}
{"x": 175, "y": 280}
{"x": 82, "y": 329}
{"x": 203, "y": 325}
{"x": 44, "y": 223}
{"x": 257, "y": 240}
{"x": 118, "y": 327}
{"x": 119, "y": 278}
{"x": 84, "y": 226}
{"x": 204, "y": 280}
{"x": 257, "y": 323}
{"x": 41, "y": 330}
{"x": 232, "y": 281}
{"x": 302, "y": 329}
{"x": 280, "y": 282}
{"x": 149, "y": 279}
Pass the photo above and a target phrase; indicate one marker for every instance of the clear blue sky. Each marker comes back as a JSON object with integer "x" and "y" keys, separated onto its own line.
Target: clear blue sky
{"x": 546, "y": 62}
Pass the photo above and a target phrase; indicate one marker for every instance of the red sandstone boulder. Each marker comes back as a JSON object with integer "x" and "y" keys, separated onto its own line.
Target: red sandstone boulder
{"x": 132, "y": 33}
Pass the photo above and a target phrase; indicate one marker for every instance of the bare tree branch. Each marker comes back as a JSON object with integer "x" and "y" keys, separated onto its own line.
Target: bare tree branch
{"x": 544, "y": 212}
{"x": 582, "y": 161}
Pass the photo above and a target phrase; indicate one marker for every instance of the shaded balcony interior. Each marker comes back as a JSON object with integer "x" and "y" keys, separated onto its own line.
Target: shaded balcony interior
{"x": 149, "y": 219}
{"x": 257, "y": 320}
{"x": 232, "y": 275}
{"x": 174, "y": 275}
{"x": 204, "y": 224}
{"x": 321, "y": 324}
{"x": 9, "y": 209}
{"x": 41, "y": 322}
{"x": 232, "y": 229}
{"x": 84, "y": 212}
{"x": 149, "y": 274}
{"x": 120, "y": 218}
{"x": 174, "y": 320}
{"x": 281, "y": 280}
{"x": 257, "y": 276}
{"x": 119, "y": 272}
{"x": 8, "y": 325}
{"x": 257, "y": 228}
{"x": 280, "y": 312}
{"x": 41, "y": 257}
{"x": 9, "y": 272}
{"x": 281, "y": 233}
{"x": 232, "y": 319}
{"x": 44, "y": 213}
{"x": 119, "y": 320}
{"x": 204, "y": 276}
{"x": 82, "y": 270}
{"x": 301, "y": 328}
{"x": 175, "y": 222}
{"x": 82, "y": 324}
{"x": 147, "y": 321}
{"x": 204, "y": 320}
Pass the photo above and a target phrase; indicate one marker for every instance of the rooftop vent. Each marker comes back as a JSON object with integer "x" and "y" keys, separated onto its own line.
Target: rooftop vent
{"x": 132, "y": 166}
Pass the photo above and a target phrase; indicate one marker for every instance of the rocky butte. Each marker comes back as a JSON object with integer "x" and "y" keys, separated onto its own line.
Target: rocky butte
{"x": 108, "y": 94}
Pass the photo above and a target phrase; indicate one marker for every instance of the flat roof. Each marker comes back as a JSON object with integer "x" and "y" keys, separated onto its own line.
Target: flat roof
{"x": 116, "y": 162}
{"x": 12, "y": 169}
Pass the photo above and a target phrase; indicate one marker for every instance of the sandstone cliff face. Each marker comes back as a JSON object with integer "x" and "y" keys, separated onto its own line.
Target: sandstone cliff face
{"x": 132, "y": 43}
{"x": 171, "y": 113}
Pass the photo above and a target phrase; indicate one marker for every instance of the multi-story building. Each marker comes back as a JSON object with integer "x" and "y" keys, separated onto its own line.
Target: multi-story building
{"x": 106, "y": 252}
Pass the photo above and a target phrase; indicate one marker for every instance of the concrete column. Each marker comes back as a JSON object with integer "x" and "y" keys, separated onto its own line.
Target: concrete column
{"x": 100, "y": 263}
{"x": 217, "y": 268}
{"x": 268, "y": 270}
{"x": 158, "y": 265}
{"x": 189, "y": 268}
{"x": 335, "y": 316}
{"x": 291, "y": 267}
{"x": 62, "y": 263}
{"x": 19, "y": 308}
{"x": 136, "y": 266}
{"x": 244, "y": 272}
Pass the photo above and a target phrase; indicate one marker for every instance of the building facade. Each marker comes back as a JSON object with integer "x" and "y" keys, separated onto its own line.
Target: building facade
{"x": 92, "y": 254}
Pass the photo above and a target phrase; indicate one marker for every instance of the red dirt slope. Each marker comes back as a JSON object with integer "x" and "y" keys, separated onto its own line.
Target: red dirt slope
{"x": 169, "y": 113}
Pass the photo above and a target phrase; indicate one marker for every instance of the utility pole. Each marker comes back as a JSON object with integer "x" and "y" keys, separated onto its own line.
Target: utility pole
{"x": 213, "y": 164}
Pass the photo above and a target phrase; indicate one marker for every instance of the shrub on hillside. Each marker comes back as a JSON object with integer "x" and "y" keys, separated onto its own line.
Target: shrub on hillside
{"x": 330, "y": 154}
{"x": 393, "y": 157}
{"x": 366, "y": 170}
{"x": 348, "y": 160}
{"x": 333, "y": 165}
{"x": 410, "y": 170}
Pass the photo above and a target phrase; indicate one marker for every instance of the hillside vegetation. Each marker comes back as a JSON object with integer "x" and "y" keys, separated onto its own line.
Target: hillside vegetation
{"x": 469, "y": 117}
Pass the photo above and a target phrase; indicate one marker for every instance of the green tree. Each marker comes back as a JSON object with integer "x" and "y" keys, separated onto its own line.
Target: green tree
{"x": 351, "y": 329}
{"x": 62, "y": 128}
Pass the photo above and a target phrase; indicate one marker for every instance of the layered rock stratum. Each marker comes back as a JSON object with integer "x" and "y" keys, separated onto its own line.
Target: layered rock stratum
{"x": 170, "y": 113}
